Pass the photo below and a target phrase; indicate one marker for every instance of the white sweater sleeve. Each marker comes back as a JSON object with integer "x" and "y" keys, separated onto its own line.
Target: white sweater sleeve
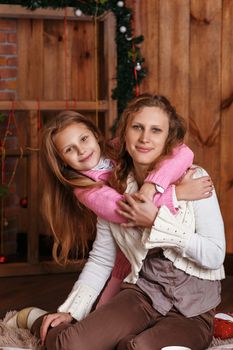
{"x": 94, "y": 274}
{"x": 202, "y": 241}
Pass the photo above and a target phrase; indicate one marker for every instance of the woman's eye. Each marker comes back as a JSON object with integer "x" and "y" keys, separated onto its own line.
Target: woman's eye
{"x": 155, "y": 130}
{"x": 136, "y": 127}
{"x": 84, "y": 138}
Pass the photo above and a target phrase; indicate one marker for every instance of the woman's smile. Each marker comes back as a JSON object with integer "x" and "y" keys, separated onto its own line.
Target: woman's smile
{"x": 143, "y": 149}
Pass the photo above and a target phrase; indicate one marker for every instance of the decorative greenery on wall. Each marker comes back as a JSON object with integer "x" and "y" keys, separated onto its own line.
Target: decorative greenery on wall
{"x": 129, "y": 70}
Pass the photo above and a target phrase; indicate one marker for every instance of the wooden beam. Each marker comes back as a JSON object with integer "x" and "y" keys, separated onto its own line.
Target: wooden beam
{"x": 15, "y": 11}
{"x": 16, "y": 153}
{"x": 20, "y": 269}
{"x": 102, "y": 106}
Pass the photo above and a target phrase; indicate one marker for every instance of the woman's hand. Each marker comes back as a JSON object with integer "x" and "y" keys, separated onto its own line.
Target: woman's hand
{"x": 53, "y": 320}
{"x": 138, "y": 210}
{"x": 191, "y": 189}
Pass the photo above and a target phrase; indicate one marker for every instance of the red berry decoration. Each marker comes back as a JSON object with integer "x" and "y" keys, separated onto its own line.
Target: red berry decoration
{"x": 2, "y": 259}
{"x": 23, "y": 202}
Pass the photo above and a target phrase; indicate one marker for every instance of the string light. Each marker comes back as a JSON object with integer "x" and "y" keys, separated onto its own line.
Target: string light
{"x": 78, "y": 12}
{"x": 120, "y": 3}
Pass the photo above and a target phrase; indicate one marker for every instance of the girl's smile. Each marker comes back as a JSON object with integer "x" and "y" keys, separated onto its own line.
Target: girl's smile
{"x": 78, "y": 147}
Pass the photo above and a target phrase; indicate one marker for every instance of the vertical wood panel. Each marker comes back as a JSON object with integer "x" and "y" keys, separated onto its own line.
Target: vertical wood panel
{"x": 33, "y": 180}
{"x": 205, "y": 83}
{"x": 174, "y": 53}
{"x": 110, "y": 70}
{"x": 54, "y": 62}
{"x": 226, "y": 171}
{"x": 30, "y": 58}
{"x": 148, "y": 27}
{"x": 83, "y": 61}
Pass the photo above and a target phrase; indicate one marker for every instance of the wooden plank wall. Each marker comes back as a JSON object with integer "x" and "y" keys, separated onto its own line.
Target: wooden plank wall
{"x": 189, "y": 56}
{"x": 58, "y": 60}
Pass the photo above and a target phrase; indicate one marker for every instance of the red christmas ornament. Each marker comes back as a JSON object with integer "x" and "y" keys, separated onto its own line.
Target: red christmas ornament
{"x": 2, "y": 259}
{"x": 23, "y": 202}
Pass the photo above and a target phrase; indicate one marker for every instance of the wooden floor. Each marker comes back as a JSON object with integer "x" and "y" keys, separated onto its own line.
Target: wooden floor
{"x": 44, "y": 291}
{"x": 49, "y": 291}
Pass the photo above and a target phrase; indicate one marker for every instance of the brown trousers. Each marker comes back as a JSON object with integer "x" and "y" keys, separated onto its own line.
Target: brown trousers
{"x": 129, "y": 322}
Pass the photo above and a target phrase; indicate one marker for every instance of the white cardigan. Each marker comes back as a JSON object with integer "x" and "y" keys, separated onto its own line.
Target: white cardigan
{"x": 193, "y": 239}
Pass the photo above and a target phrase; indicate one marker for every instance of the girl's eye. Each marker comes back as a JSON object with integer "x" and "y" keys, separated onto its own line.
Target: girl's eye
{"x": 68, "y": 150}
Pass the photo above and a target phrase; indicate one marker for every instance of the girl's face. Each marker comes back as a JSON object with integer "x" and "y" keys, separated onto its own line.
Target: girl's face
{"x": 78, "y": 147}
{"x": 146, "y": 135}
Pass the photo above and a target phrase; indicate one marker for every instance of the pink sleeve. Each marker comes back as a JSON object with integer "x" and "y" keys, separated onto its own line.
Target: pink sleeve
{"x": 166, "y": 198}
{"x": 102, "y": 201}
{"x": 171, "y": 169}
{"x": 98, "y": 175}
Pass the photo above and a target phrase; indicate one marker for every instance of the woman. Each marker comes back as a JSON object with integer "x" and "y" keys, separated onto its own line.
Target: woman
{"x": 173, "y": 301}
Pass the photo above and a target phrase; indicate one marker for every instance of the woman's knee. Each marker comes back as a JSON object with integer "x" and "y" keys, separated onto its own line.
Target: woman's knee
{"x": 62, "y": 337}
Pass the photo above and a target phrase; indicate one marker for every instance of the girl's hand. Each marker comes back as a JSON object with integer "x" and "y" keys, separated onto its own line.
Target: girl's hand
{"x": 138, "y": 210}
{"x": 191, "y": 189}
{"x": 53, "y": 320}
{"x": 148, "y": 189}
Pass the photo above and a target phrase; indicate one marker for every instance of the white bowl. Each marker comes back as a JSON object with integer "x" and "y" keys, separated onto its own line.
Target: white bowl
{"x": 175, "y": 347}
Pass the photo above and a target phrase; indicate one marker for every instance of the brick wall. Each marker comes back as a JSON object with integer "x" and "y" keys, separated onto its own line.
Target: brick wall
{"x": 8, "y": 82}
{"x": 8, "y": 59}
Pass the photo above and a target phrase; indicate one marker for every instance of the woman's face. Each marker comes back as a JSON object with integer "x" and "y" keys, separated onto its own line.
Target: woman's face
{"x": 146, "y": 135}
{"x": 78, "y": 147}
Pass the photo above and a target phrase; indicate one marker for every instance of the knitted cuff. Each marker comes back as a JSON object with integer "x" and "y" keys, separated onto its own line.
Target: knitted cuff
{"x": 167, "y": 198}
{"x": 79, "y": 301}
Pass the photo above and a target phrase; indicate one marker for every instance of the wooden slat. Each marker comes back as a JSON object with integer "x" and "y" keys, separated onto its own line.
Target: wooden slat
{"x": 19, "y": 269}
{"x": 54, "y": 68}
{"x": 82, "y": 68}
{"x": 110, "y": 71}
{"x": 53, "y": 105}
{"x": 32, "y": 190}
{"x": 16, "y": 11}
{"x": 149, "y": 19}
{"x": 173, "y": 67}
{"x": 226, "y": 169}
{"x": 14, "y": 153}
{"x": 30, "y": 59}
{"x": 23, "y": 57}
{"x": 205, "y": 83}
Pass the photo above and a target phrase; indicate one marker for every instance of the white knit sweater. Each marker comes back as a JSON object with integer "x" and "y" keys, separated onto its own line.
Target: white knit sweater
{"x": 193, "y": 239}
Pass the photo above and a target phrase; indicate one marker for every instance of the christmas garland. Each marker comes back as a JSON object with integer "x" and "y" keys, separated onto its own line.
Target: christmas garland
{"x": 129, "y": 70}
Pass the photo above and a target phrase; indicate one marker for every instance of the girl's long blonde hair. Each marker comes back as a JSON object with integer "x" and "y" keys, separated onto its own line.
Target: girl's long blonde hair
{"x": 177, "y": 130}
{"x": 71, "y": 223}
